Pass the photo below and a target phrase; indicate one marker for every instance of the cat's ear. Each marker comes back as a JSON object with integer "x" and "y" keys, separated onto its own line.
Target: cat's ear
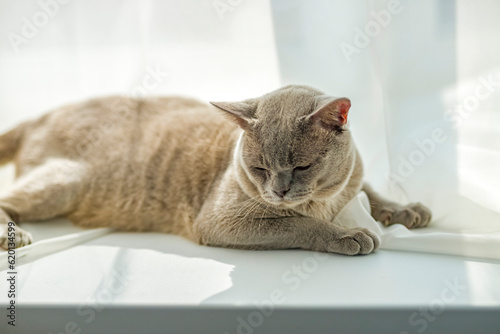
{"x": 331, "y": 113}
{"x": 243, "y": 113}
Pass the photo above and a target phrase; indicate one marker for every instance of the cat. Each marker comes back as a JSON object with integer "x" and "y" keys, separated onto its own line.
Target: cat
{"x": 264, "y": 173}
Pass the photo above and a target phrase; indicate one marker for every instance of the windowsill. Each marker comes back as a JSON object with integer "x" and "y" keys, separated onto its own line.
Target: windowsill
{"x": 152, "y": 277}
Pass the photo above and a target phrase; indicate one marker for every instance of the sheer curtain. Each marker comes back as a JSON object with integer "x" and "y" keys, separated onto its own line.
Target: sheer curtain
{"x": 423, "y": 77}
{"x": 58, "y": 51}
{"x": 424, "y": 81}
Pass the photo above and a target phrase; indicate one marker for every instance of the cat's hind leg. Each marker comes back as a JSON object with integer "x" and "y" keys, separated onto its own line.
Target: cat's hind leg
{"x": 389, "y": 213}
{"x": 48, "y": 191}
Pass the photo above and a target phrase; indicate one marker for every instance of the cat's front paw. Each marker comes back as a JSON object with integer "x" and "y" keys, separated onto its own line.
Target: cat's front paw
{"x": 412, "y": 215}
{"x": 355, "y": 241}
{"x": 18, "y": 237}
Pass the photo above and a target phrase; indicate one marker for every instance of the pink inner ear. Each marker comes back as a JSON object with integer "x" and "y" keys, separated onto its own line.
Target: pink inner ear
{"x": 333, "y": 114}
{"x": 344, "y": 105}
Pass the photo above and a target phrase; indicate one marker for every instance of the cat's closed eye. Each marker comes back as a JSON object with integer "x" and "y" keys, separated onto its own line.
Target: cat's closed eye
{"x": 301, "y": 168}
{"x": 260, "y": 169}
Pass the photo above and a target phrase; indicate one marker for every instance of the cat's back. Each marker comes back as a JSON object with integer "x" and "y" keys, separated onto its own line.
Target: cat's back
{"x": 161, "y": 165}
{"x": 87, "y": 129}
{"x": 152, "y": 161}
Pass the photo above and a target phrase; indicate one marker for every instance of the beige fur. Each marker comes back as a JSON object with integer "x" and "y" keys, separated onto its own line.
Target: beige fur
{"x": 237, "y": 177}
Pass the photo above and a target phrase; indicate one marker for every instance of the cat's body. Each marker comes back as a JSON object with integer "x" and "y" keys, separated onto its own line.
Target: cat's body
{"x": 120, "y": 153}
{"x": 176, "y": 165}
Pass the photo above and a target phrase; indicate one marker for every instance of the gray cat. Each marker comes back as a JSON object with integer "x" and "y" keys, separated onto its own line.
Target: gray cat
{"x": 265, "y": 173}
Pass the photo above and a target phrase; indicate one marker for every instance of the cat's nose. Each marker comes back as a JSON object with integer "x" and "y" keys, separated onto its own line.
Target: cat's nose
{"x": 281, "y": 193}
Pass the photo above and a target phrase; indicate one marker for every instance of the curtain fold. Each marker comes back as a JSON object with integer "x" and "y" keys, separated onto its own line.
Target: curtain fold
{"x": 429, "y": 240}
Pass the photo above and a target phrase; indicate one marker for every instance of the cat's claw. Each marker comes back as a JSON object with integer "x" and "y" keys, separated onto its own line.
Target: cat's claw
{"x": 412, "y": 215}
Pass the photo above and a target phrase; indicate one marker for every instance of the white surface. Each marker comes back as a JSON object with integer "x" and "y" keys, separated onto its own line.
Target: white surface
{"x": 167, "y": 270}
{"x": 131, "y": 283}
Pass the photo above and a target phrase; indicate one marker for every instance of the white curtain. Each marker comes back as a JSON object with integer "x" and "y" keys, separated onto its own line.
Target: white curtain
{"x": 92, "y": 48}
{"x": 424, "y": 80}
{"x": 423, "y": 77}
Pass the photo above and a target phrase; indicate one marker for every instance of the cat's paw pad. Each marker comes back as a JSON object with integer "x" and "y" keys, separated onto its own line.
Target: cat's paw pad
{"x": 357, "y": 241}
{"x": 412, "y": 215}
{"x": 22, "y": 238}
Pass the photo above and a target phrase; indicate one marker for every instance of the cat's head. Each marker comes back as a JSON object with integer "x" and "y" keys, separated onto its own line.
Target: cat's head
{"x": 295, "y": 146}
